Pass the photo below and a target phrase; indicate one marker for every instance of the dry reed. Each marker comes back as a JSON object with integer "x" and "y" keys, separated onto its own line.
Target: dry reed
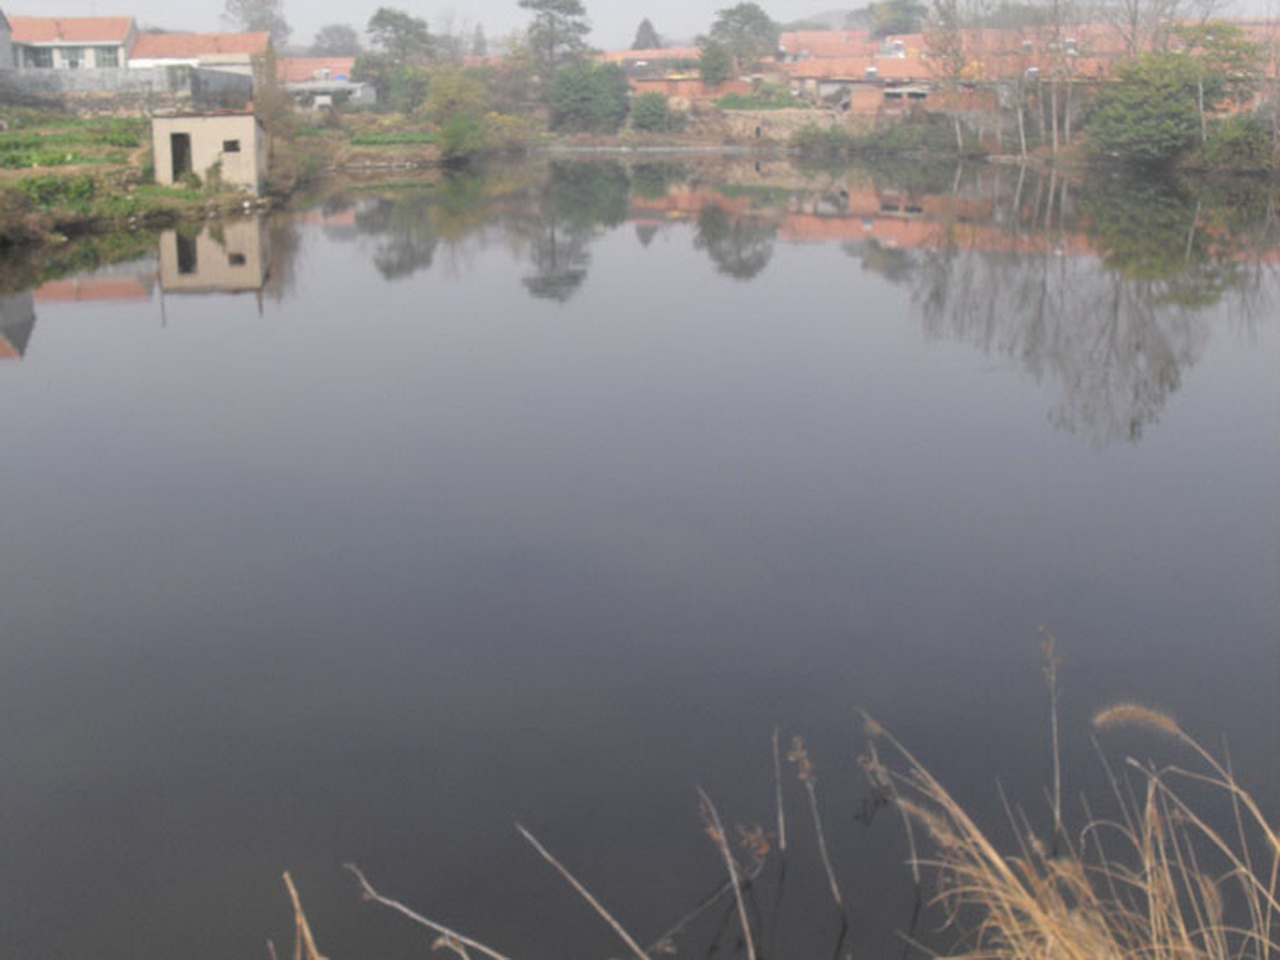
{"x": 1158, "y": 882}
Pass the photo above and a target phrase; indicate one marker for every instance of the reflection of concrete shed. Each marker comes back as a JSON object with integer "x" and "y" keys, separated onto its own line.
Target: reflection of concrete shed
{"x": 231, "y": 257}
{"x": 232, "y": 145}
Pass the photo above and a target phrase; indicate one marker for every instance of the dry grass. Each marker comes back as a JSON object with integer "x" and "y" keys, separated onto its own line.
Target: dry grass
{"x": 1159, "y": 881}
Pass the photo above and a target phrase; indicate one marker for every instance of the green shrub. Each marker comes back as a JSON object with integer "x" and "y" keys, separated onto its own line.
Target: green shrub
{"x": 1242, "y": 142}
{"x": 813, "y": 140}
{"x": 589, "y": 98}
{"x": 930, "y": 133}
{"x": 51, "y": 191}
{"x": 1150, "y": 116}
{"x": 651, "y": 113}
{"x": 391, "y": 139}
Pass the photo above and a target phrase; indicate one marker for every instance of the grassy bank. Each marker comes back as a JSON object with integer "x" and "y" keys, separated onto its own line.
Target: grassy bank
{"x": 63, "y": 177}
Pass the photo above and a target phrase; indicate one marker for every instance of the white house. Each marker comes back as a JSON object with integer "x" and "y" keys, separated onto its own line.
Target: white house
{"x": 6, "y": 43}
{"x": 71, "y": 43}
{"x": 233, "y": 52}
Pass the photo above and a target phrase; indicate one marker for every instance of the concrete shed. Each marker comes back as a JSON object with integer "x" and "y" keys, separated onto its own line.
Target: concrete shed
{"x": 230, "y": 146}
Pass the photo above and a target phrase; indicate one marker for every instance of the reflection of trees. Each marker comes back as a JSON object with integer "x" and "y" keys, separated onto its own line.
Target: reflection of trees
{"x": 651, "y": 181}
{"x": 404, "y": 222}
{"x": 739, "y": 247}
{"x": 283, "y": 240}
{"x": 1117, "y": 332}
{"x": 579, "y": 199}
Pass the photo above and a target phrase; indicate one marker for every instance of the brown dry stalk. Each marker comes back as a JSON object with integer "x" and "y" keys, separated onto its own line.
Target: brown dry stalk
{"x": 808, "y": 775}
{"x": 716, "y": 829}
{"x": 304, "y": 944}
{"x": 1161, "y": 898}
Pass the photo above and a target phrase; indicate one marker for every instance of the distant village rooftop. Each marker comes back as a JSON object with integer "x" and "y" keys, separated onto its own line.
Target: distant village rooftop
{"x": 39, "y": 31}
{"x": 179, "y": 46}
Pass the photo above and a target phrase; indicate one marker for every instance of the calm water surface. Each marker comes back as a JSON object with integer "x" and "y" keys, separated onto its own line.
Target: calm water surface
{"x": 359, "y": 534}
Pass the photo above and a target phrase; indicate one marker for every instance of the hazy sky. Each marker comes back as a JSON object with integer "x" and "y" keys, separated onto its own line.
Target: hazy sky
{"x": 614, "y": 24}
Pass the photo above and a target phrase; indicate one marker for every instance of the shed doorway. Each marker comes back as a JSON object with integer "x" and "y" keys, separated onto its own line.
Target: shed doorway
{"x": 180, "y": 146}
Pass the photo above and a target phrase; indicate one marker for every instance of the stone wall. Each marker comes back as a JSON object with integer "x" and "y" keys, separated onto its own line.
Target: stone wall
{"x": 126, "y": 92}
{"x": 775, "y": 126}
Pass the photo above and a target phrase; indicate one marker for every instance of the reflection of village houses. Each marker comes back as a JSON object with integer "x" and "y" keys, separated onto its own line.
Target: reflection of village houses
{"x": 854, "y": 213}
{"x": 231, "y": 257}
{"x": 1014, "y": 266}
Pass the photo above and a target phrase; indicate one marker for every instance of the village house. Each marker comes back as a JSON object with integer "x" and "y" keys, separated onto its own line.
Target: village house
{"x": 231, "y": 147}
{"x": 71, "y": 43}
{"x": 6, "y": 43}
{"x": 317, "y": 82}
{"x": 241, "y": 53}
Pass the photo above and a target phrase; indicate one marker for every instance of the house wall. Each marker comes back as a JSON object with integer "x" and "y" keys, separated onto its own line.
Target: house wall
{"x": 245, "y": 167}
{"x": 239, "y": 63}
{"x": 125, "y": 92}
{"x": 691, "y": 89}
{"x": 776, "y": 126}
{"x": 6, "y": 45}
{"x": 96, "y": 56}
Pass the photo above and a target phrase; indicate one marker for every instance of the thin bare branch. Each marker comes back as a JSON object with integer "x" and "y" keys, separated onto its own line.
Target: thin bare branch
{"x": 372, "y": 894}
{"x": 585, "y": 894}
{"x": 777, "y": 790}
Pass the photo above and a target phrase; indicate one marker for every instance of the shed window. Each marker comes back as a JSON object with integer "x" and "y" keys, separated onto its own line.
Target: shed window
{"x": 39, "y": 57}
{"x": 107, "y": 56}
{"x": 230, "y": 146}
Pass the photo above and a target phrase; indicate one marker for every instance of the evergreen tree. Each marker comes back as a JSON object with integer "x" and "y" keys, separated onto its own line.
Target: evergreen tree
{"x": 747, "y": 31}
{"x": 716, "y": 64}
{"x": 557, "y": 33}
{"x": 646, "y": 37}
{"x": 401, "y": 36}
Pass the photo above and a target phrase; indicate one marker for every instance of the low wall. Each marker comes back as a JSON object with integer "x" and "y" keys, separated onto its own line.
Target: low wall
{"x": 775, "y": 126}
{"x": 124, "y": 91}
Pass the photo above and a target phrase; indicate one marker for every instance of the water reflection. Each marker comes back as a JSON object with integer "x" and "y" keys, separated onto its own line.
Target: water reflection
{"x": 1097, "y": 286}
{"x": 17, "y": 319}
{"x": 229, "y": 257}
{"x": 275, "y": 596}
{"x": 251, "y": 255}
{"x": 739, "y": 246}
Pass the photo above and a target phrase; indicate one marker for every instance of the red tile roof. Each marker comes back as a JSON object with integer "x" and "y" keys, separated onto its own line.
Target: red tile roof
{"x": 659, "y": 54}
{"x": 304, "y": 69}
{"x": 186, "y": 46}
{"x": 855, "y": 68}
{"x": 35, "y": 31}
